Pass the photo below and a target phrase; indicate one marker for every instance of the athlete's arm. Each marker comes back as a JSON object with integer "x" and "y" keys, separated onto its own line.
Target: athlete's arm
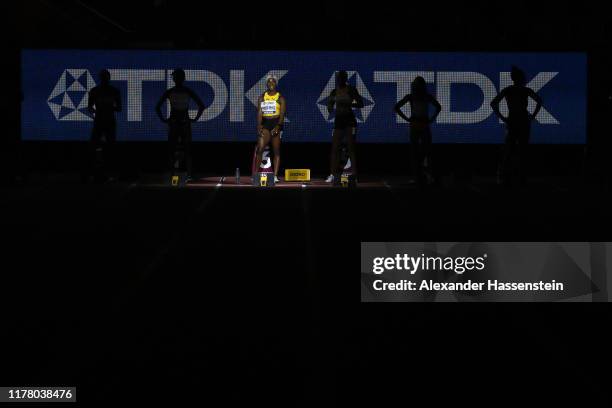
{"x": 436, "y": 106}
{"x": 198, "y": 102}
{"x": 159, "y": 106}
{"x": 281, "y": 118}
{"x": 118, "y": 106}
{"x": 259, "y": 116}
{"x": 331, "y": 101}
{"x": 538, "y": 101}
{"x": 357, "y": 98}
{"x": 91, "y": 101}
{"x": 399, "y": 105}
{"x": 495, "y": 104}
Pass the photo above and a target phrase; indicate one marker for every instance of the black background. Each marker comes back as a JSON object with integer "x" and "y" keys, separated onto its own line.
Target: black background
{"x": 111, "y": 287}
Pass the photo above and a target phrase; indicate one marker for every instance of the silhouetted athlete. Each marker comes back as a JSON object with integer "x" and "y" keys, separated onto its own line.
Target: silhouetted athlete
{"x": 518, "y": 121}
{"x": 271, "y": 108}
{"x": 179, "y": 122}
{"x": 103, "y": 101}
{"x": 344, "y": 98}
{"x": 420, "y": 131}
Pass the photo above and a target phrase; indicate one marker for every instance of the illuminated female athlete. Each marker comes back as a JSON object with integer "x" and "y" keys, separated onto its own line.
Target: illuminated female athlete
{"x": 271, "y": 108}
{"x": 344, "y": 97}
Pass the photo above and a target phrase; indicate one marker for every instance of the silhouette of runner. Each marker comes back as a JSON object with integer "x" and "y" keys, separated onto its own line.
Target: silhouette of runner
{"x": 518, "y": 123}
{"x": 271, "y": 108}
{"x": 420, "y": 131}
{"x": 104, "y": 100}
{"x": 179, "y": 122}
{"x": 344, "y": 98}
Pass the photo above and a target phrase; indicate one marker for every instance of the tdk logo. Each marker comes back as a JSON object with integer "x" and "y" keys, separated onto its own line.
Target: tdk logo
{"x": 444, "y": 80}
{"x": 68, "y": 100}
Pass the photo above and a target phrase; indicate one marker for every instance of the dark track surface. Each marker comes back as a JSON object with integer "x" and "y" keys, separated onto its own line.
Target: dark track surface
{"x": 250, "y": 295}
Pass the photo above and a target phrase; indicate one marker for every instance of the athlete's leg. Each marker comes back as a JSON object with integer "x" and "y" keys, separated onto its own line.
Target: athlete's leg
{"x": 111, "y": 150}
{"x": 335, "y": 151}
{"x": 505, "y": 166}
{"x": 96, "y": 135}
{"x": 172, "y": 144}
{"x": 94, "y": 143}
{"x": 426, "y": 149}
{"x": 415, "y": 154}
{"x": 187, "y": 148}
{"x": 276, "y": 145}
{"x": 262, "y": 141}
{"x": 352, "y": 147}
{"x": 522, "y": 152}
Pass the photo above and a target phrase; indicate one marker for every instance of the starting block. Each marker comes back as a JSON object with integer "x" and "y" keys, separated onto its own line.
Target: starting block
{"x": 263, "y": 179}
{"x": 178, "y": 179}
{"x": 345, "y": 180}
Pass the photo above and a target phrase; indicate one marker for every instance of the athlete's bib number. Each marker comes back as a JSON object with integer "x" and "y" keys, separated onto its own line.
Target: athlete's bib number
{"x": 268, "y": 107}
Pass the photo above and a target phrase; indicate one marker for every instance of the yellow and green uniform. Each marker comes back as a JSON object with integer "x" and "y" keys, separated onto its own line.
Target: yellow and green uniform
{"x": 270, "y": 105}
{"x": 270, "y": 110}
